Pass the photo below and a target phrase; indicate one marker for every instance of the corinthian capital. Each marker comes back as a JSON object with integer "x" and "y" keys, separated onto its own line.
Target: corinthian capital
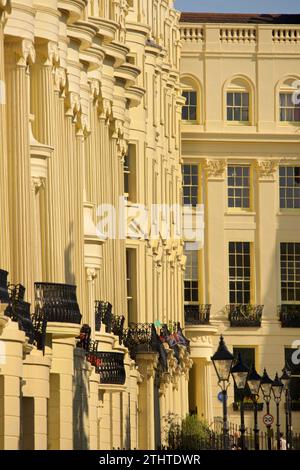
{"x": 5, "y": 7}
{"x": 47, "y": 53}
{"x": 266, "y": 169}
{"x": 215, "y": 168}
{"x": 20, "y": 52}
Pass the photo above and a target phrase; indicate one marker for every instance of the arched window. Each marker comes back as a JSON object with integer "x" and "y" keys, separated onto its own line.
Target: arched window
{"x": 288, "y": 102}
{"x": 239, "y": 101}
{"x": 191, "y": 108}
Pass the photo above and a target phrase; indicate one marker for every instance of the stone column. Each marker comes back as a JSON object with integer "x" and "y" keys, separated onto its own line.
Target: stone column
{"x": 215, "y": 197}
{"x": 60, "y": 420}
{"x": 4, "y": 233}
{"x": 45, "y": 130}
{"x": 147, "y": 365}
{"x": 36, "y": 387}
{"x": 266, "y": 246}
{"x": 11, "y": 372}
{"x": 18, "y": 55}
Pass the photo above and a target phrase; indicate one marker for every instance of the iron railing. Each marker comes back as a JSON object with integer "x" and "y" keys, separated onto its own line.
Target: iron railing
{"x": 117, "y": 326}
{"x": 289, "y": 315}
{"x": 245, "y": 315}
{"x": 19, "y": 311}
{"x": 197, "y": 314}
{"x": 57, "y": 302}
{"x": 109, "y": 365}
{"x": 4, "y": 295}
{"x": 103, "y": 314}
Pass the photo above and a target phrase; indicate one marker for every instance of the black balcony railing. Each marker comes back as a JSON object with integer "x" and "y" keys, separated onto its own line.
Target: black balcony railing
{"x": 103, "y": 314}
{"x": 289, "y": 315}
{"x": 4, "y": 295}
{"x": 84, "y": 338}
{"x": 19, "y": 311}
{"x": 117, "y": 326}
{"x": 197, "y": 314}
{"x": 57, "y": 302}
{"x": 109, "y": 365}
{"x": 245, "y": 315}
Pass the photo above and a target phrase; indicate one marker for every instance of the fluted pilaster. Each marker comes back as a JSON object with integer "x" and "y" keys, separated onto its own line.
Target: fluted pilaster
{"x": 18, "y": 55}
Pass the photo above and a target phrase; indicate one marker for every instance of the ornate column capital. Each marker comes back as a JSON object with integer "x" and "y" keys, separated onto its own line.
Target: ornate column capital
{"x": 20, "y": 52}
{"x": 266, "y": 169}
{"x": 60, "y": 80}
{"x": 37, "y": 182}
{"x": 47, "y": 53}
{"x": 5, "y": 7}
{"x": 215, "y": 168}
{"x": 91, "y": 274}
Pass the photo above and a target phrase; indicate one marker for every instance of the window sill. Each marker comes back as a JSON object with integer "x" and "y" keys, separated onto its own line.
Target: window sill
{"x": 240, "y": 212}
{"x": 293, "y": 212}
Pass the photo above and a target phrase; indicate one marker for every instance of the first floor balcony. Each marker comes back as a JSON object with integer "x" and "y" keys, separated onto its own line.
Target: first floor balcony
{"x": 197, "y": 314}
{"x": 245, "y": 315}
{"x": 289, "y": 315}
{"x": 108, "y": 364}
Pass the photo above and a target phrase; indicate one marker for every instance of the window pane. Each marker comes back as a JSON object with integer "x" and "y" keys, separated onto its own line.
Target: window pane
{"x": 237, "y": 114}
{"x": 185, "y": 113}
{"x": 193, "y": 98}
{"x": 238, "y": 99}
{"x": 229, "y": 114}
{"x": 229, "y": 99}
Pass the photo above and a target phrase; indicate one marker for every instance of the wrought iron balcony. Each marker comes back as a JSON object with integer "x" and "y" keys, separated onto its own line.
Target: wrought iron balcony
{"x": 4, "y": 295}
{"x": 245, "y": 315}
{"x": 197, "y": 314}
{"x": 57, "y": 302}
{"x": 118, "y": 326}
{"x": 109, "y": 365}
{"x": 103, "y": 314}
{"x": 289, "y": 315}
{"x": 19, "y": 311}
{"x": 142, "y": 337}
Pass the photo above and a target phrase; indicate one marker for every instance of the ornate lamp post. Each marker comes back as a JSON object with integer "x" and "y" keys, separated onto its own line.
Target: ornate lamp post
{"x": 277, "y": 389}
{"x": 253, "y": 382}
{"x": 222, "y": 361}
{"x": 266, "y": 387}
{"x": 239, "y": 373}
{"x": 286, "y": 379}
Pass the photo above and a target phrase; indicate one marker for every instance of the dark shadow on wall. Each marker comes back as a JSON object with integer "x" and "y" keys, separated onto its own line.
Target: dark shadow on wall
{"x": 80, "y": 403}
{"x": 69, "y": 258}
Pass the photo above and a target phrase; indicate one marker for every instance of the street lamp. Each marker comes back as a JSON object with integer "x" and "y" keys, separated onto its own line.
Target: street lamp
{"x": 286, "y": 379}
{"x": 266, "y": 387}
{"x": 277, "y": 388}
{"x": 239, "y": 373}
{"x": 222, "y": 361}
{"x": 253, "y": 382}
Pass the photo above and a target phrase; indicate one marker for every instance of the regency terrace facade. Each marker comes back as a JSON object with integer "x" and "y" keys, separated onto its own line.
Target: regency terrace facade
{"x": 91, "y": 104}
{"x": 240, "y": 151}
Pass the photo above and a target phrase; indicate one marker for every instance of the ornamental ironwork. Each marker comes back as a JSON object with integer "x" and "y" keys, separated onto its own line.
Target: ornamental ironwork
{"x": 197, "y": 314}
{"x": 108, "y": 364}
{"x": 103, "y": 314}
{"x": 4, "y": 295}
{"x": 245, "y": 315}
{"x": 289, "y": 315}
{"x": 57, "y": 302}
{"x": 19, "y": 311}
{"x": 118, "y": 326}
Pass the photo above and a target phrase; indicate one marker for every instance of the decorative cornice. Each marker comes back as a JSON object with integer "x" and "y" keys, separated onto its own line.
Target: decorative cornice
{"x": 266, "y": 169}
{"x": 215, "y": 168}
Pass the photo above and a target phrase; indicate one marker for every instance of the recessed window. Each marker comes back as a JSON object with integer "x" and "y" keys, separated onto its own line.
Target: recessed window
{"x": 290, "y": 272}
{"x": 289, "y": 187}
{"x": 238, "y": 187}
{"x": 238, "y": 106}
{"x": 190, "y": 185}
{"x": 239, "y": 273}
{"x": 131, "y": 277}
{"x": 130, "y": 173}
{"x": 191, "y": 282}
{"x": 295, "y": 377}
{"x": 289, "y": 111}
{"x": 189, "y": 110}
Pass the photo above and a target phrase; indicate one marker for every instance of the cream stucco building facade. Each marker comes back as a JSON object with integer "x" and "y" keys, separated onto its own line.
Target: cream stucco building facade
{"x": 240, "y": 151}
{"x": 90, "y": 106}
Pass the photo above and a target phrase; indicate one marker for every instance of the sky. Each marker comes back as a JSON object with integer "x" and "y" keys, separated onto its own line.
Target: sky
{"x": 239, "y": 6}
